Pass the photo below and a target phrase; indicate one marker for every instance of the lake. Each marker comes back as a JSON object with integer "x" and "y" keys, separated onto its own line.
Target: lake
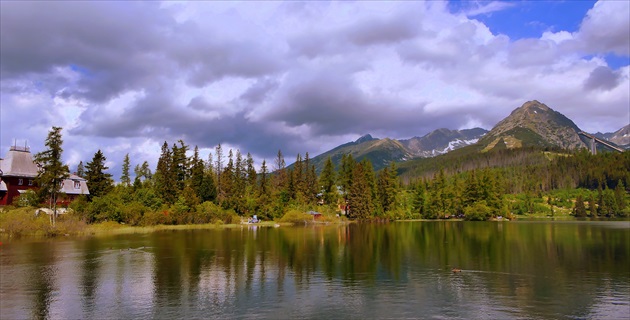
{"x": 541, "y": 270}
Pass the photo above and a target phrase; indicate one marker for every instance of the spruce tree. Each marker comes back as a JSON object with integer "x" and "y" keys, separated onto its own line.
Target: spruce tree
{"x": 197, "y": 172}
{"x": 263, "y": 186}
{"x": 218, "y": 167}
{"x": 360, "y": 198}
{"x": 346, "y": 174}
{"x": 620, "y": 196}
{"x": 579, "y": 209}
{"x": 252, "y": 177}
{"x": 327, "y": 183}
{"x": 419, "y": 198}
{"x": 52, "y": 170}
{"x": 280, "y": 175}
{"x": 124, "y": 178}
{"x": 179, "y": 165}
{"x": 81, "y": 170}
{"x": 99, "y": 182}
{"x": 164, "y": 181}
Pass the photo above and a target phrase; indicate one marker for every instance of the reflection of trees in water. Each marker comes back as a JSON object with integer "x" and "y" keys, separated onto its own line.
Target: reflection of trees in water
{"x": 90, "y": 272}
{"x": 215, "y": 272}
{"x": 41, "y": 278}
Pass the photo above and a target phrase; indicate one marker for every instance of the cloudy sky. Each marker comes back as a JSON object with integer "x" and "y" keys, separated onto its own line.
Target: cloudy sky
{"x": 299, "y": 76}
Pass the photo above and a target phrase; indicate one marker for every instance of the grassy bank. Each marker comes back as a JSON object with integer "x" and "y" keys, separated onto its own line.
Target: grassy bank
{"x": 23, "y": 222}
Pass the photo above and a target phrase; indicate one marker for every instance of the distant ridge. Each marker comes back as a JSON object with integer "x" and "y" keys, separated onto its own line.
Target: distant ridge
{"x": 533, "y": 124}
{"x": 381, "y": 152}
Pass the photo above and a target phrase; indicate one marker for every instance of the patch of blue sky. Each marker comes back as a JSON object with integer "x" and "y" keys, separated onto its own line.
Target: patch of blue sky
{"x": 530, "y": 19}
{"x": 80, "y": 70}
{"x": 525, "y": 19}
{"x": 615, "y": 61}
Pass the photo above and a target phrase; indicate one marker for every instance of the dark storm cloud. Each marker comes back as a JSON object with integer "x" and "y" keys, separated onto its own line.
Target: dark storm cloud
{"x": 114, "y": 47}
{"x": 38, "y": 37}
{"x": 158, "y": 117}
{"x": 362, "y": 33}
{"x": 602, "y": 78}
{"x": 210, "y": 60}
{"x": 329, "y": 102}
{"x": 259, "y": 91}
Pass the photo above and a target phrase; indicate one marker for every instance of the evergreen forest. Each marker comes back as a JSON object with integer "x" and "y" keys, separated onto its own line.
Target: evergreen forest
{"x": 227, "y": 188}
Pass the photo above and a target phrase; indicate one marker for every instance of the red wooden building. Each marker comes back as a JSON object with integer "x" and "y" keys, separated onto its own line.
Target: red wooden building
{"x": 18, "y": 173}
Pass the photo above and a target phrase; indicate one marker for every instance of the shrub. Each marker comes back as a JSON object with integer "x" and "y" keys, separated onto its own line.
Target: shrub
{"x": 478, "y": 211}
{"x": 152, "y": 218}
{"x": 296, "y": 217}
{"x": 27, "y": 199}
{"x": 133, "y": 212}
{"x": 209, "y": 212}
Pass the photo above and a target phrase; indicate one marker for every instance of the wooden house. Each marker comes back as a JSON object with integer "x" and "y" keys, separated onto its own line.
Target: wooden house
{"x": 18, "y": 172}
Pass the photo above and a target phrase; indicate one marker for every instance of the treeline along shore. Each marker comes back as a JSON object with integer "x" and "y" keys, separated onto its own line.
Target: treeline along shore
{"x": 227, "y": 188}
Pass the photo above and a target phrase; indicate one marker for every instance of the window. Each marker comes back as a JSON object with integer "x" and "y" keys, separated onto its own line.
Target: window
{"x": 77, "y": 184}
{"x": 20, "y": 182}
{"x": 30, "y": 182}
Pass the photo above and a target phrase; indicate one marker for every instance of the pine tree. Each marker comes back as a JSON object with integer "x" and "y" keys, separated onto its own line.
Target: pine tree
{"x": 327, "y": 183}
{"x": 471, "y": 191}
{"x": 81, "y": 170}
{"x": 197, "y": 173}
{"x": 52, "y": 170}
{"x": 346, "y": 174}
{"x": 579, "y": 209}
{"x": 251, "y": 172}
{"x": 592, "y": 208}
{"x": 360, "y": 198}
{"x": 280, "y": 175}
{"x": 124, "y": 178}
{"x": 240, "y": 175}
{"x": 419, "y": 199}
{"x": 208, "y": 189}
{"x": 387, "y": 187}
{"x": 179, "y": 165}
{"x": 620, "y": 196}
{"x": 219, "y": 169}
{"x": 263, "y": 187}
{"x": 164, "y": 181}
{"x": 311, "y": 184}
{"x": 99, "y": 182}
{"x": 240, "y": 183}
{"x": 226, "y": 196}
{"x": 297, "y": 179}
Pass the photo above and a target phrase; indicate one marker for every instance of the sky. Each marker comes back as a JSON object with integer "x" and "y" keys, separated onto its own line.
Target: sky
{"x": 123, "y": 77}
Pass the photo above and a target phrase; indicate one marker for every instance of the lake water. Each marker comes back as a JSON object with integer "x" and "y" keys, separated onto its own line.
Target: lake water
{"x": 527, "y": 270}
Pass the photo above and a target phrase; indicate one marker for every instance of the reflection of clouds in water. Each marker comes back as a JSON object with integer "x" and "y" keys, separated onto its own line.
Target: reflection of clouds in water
{"x": 374, "y": 271}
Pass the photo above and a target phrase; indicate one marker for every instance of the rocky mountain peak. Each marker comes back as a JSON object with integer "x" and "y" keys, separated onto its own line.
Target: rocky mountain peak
{"x": 534, "y": 123}
{"x": 364, "y": 138}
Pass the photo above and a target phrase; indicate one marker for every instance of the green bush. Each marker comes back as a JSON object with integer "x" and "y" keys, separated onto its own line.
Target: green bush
{"x": 27, "y": 199}
{"x": 296, "y": 217}
{"x": 133, "y": 212}
{"x": 478, "y": 211}
{"x": 152, "y": 218}
{"x": 208, "y": 212}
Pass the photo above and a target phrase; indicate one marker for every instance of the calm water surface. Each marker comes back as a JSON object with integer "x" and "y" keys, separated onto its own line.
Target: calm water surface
{"x": 527, "y": 270}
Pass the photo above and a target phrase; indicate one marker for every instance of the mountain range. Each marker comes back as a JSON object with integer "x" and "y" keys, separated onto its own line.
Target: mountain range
{"x": 532, "y": 125}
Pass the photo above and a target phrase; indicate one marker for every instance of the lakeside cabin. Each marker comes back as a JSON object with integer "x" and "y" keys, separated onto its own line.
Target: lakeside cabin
{"x": 316, "y": 215}
{"x": 18, "y": 172}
